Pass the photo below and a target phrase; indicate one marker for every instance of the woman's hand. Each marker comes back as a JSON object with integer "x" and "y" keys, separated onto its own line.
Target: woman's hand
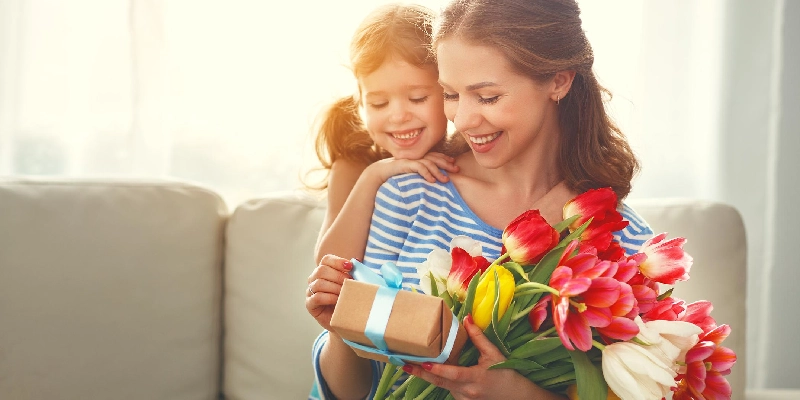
{"x": 429, "y": 167}
{"x": 477, "y": 381}
{"x": 324, "y": 286}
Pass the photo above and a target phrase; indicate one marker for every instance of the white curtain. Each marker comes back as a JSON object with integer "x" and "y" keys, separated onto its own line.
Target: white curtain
{"x": 223, "y": 93}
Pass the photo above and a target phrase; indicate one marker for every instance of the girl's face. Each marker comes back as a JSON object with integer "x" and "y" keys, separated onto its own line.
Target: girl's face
{"x": 501, "y": 113}
{"x": 403, "y": 108}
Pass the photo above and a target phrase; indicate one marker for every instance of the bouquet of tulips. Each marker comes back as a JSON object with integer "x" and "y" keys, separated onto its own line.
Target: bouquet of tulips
{"x": 574, "y": 314}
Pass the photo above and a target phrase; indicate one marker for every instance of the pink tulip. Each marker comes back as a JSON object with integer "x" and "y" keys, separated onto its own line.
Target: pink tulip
{"x": 707, "y": 363}
{"x": 666, "y": 261}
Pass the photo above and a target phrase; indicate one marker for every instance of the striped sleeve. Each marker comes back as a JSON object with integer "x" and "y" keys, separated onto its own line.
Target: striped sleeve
{"x": 633, "y": 236}
{"x": 392, "y": 220}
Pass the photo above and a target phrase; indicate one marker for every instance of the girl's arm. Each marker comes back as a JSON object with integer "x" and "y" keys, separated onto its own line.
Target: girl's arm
{"x": 346, "y": 225}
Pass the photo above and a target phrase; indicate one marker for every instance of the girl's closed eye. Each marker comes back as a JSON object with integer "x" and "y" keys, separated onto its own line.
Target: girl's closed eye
{"x": 419, "y": 100}
{"x": 378, "y": 106}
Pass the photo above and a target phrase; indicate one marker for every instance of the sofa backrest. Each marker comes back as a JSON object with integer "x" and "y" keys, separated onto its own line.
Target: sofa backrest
{"x": 110, "y": 290}
{"x": 268, "y": 332}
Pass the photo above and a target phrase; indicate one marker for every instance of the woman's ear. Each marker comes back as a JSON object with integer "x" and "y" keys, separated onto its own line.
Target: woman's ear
{"x": 562, "y": 82}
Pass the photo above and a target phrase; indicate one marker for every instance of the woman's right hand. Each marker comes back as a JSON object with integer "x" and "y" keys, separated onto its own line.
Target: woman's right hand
{"x": 324, "y": 286}
{"x": 429, "y": 167}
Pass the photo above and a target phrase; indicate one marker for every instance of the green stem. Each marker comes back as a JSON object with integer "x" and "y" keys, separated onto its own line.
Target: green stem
{"x": 535, "y": 285}
{"x": 384, "y": 384}
{"x": 599, "y": 345}
{"x": 546, "y": 333}
{"x": 402, "y": 388}
{"x": 498, "y": 261}
{"x": 426, "y": 392}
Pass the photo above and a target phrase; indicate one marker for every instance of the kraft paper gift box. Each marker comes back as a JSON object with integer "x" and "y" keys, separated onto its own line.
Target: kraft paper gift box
{"x": 418, "y": 325}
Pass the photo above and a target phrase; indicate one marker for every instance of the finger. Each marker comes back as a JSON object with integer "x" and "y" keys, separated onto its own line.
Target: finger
{"x": 443, "y": 162}
{"x": 440, "y": 155}
{"x": 325, "y": 286}
{"x": 434, "y": 373}
{"x": 481, "y": 342}
{"x": 434, "y": 170}
{"x": 423, "y": 170}
{"x": 336, "y": 262}
{"x": 328, "y": 273}
{"x": 318, "y": 301}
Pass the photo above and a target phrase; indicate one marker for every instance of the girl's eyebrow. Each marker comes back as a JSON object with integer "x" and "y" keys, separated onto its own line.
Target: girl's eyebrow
{"x": 408, "y": 87}
{"x": 474, "y": 86}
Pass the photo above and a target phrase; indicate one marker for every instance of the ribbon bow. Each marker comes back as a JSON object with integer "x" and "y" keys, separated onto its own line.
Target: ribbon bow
{"x": 389, "y": 283}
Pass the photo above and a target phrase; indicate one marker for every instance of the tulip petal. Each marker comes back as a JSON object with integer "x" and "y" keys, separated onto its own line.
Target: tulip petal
{"x": 620, "y": 328}
{"x": 603, "y": 292}
{"x": 717, "y": 387}
{"x": 722, "y": 359}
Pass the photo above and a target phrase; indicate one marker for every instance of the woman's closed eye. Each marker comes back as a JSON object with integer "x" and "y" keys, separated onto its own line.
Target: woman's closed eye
{"x": 488, "y": 100}
{"x": 450, "y": 97}
{"x": 419, "y": 100}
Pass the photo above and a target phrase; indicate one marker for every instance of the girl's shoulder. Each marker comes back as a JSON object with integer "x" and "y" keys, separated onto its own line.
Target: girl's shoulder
{"x": 633, "y": 236}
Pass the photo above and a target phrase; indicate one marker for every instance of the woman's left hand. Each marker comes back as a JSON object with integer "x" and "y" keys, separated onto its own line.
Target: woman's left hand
{"x": 477, "y": 381}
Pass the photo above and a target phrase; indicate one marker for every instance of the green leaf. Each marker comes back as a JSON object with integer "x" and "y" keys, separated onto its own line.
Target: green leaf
{"x": 559, "y": 353}
{"x": 536, "y": 347}
{"x": 447, "y": 299}
{"x": 591, "y": 385}
{"x": 575, "y": 234}
{"x": 502, "y": 325}
{"x": 516, "y": 269}
{"x": 434, "y": 286}
{"x": 491, "y": 331}
{"x": 541, "y": 273}
{"x": 664, "y": 295}
{"x": 470, "y": 298}
{"x": 523, "y": 366}
{"x": 549, "y": 373}
{"x": 559, "y": 381}
{"x": 559, "y": 227}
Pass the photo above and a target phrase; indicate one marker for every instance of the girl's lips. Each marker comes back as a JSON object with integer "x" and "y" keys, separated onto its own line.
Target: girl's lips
{"x": 407, "y": 138}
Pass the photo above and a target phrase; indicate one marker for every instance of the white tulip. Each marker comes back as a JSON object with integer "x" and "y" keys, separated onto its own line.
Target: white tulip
{"x": 633, "y": 373}
{"x": 669, "y": 340}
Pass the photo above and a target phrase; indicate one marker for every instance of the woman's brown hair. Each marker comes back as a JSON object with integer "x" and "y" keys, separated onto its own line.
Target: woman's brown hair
{"x": 540, "y": 38}
{"x": 395, "y": 30}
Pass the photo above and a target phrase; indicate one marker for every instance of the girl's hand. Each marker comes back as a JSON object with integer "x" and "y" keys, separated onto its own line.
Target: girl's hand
{"x": 477, "y": 381}
{"x": 324, "y": 286}
{"x": 429, "y": 167}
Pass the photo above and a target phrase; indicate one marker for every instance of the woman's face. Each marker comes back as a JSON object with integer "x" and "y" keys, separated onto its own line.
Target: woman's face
{"x": 501, "y": 113}
{"x": 403, "y": 109}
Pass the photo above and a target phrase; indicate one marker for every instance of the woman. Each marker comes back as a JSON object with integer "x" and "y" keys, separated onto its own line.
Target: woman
{"x": 518, "y": 85}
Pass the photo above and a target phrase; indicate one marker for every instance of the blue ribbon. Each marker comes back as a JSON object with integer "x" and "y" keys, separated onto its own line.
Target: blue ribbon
{"x": 389, "y": 284}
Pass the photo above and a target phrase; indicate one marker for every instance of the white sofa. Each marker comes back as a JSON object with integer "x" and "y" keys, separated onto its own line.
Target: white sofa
{"x": 154, "y": 290}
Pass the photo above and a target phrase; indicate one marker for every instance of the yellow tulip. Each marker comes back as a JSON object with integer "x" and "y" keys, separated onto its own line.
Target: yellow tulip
{"x": 484, "y": 295}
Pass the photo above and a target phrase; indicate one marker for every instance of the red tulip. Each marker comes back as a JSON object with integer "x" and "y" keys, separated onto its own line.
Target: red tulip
{"x": 528, "y": 238}
{"x": 464, "y": 267}
{"x": 599, "y": 205}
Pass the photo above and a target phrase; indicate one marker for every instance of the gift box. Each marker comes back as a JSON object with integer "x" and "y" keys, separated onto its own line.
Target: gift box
{"x": 419, "y": 325}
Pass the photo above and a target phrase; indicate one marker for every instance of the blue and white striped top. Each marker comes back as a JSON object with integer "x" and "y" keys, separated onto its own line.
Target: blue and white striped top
{"x": 413, "y": 216}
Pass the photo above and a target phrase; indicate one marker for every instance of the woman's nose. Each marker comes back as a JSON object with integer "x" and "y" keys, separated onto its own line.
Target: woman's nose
{"x": 466, "y": 118}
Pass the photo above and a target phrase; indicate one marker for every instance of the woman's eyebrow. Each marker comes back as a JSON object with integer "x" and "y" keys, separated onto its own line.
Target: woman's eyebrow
{"x": 474, "y": 86}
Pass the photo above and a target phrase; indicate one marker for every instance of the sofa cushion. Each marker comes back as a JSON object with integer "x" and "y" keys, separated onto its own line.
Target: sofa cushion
{"x": 716, "y": 240}
{"x": 268, "y": 332}
{"x": 110, "y": 290}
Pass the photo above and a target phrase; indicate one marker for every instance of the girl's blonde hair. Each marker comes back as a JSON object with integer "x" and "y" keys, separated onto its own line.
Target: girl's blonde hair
{"x": 395, "y": 30}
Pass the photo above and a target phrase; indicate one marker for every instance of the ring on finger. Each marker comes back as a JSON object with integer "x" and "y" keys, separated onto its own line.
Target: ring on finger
{"x": 310, "y": 290}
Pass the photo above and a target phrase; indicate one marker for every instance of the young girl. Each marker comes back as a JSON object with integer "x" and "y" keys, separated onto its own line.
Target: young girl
{"x": 520, "y": 90}
{"x": 403, "y": 120}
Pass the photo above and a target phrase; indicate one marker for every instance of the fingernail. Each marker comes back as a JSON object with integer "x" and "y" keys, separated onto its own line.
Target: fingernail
{"x": 468, "y": 319}
{"x": 427, "y": 366}
{"x": 347, "y": 265}
{"x": 408, "y": 368}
